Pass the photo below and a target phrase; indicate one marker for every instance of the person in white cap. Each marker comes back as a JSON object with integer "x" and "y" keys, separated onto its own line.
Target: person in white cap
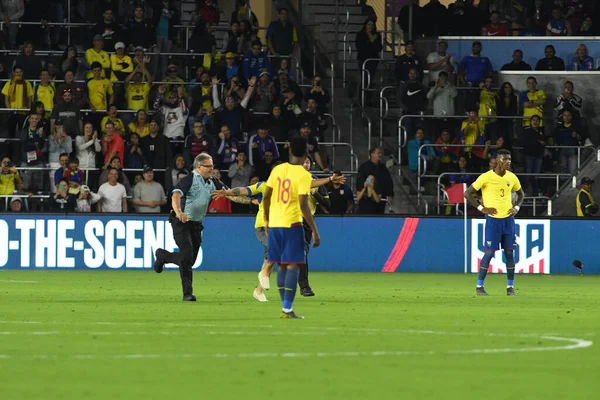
{"x": 121, "y": 65}
{"x": 86, "y": 199}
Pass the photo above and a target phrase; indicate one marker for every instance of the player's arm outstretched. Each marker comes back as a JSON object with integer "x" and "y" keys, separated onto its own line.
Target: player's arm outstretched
{"x": 308, "y": 217}
{"x": 337, "y": 179}
{"x": 470, "y": 196}
{"x": 515, "y": 209}
{"x": 237, "y": 195}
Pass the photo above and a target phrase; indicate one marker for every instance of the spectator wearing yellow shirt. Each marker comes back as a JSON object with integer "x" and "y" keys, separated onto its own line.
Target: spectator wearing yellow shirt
{"x": 10, "y": 179}
{"x": 138, "y": 91}
{"x": 114, "y": 117}
{"x": 45, "y": 92}
{"x": 96, "y": 54}
{"x": 140, "y": 124}
{"x": 100, "y": 92}
{"x": 488, "y": 106}
{"x": 172, "y": 77}
{"x": 472, "y": 132}
{"x": 18, "y": 93}
{"x": 121, "y": 65}
{"x": 533, "y": 100}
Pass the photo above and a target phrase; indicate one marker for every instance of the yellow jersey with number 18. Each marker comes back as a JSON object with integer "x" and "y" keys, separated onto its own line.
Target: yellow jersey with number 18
{"x": 497, "y": 191}
{"x": 288, "y": 182}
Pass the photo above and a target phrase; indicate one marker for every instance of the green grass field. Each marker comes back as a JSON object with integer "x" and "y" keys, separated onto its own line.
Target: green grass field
{"x": 127, "y": 335}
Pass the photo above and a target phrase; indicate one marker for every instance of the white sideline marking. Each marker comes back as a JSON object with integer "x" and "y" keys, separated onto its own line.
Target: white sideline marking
{"x": 15, "y": 281}
{"x": 574, "y": 344}
{"x": 168, "y": 333}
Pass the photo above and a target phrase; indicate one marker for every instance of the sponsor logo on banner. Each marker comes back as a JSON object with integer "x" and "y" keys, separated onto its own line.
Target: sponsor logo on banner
{"x": 84, "y": 243}
{"x": 532, "y": 250}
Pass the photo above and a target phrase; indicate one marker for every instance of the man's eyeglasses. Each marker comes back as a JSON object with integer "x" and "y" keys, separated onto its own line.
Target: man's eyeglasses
{"x": 207, "y": 166}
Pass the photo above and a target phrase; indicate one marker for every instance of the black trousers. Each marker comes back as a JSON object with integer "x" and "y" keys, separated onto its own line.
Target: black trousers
{"x": 188, "y": 237}
{"x": 303, "y": 277}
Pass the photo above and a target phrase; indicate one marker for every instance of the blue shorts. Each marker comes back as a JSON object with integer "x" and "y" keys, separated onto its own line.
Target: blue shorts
{"x": 286, "y": 245}
{"x": 499, "y": 231}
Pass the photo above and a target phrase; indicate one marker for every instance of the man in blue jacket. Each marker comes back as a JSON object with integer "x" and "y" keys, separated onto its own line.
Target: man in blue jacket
{"x": 256, "y": 61}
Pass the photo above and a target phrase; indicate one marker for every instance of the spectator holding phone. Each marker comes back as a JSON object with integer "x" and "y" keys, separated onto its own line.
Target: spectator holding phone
{"x": 368, "y": 198}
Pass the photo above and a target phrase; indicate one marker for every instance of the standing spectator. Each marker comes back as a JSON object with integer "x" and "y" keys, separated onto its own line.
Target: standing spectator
{"x": 113, "y": 197}
{"x": 231, "y": 39}
{"x": 114, "y": 164}
{"x": 263, "y": 166}
{"x": 134, "y": 157}
{"x": 112, "y": 144}
{"x": 230, "y": 69}
{"x": 240, "y": 172}
{"x": 417, "y": 15}
{"x": 369, "y": 201}
{"x": 100, "y": 91}
{"x": 319, "y": 93}
{"x": 208, "y": 10}
{"x": 31, "y": 63}
{"x": 234, "y": 89}
{"x": 140, "y": 124}
{"x": 157, "y": 148}
{"x": 38, "y": 109}
{"x": 18, "y": 94}
{"x": 11, "y": 12}
{"x": 437, "y": 16}
{"x": 446, "y": 157}
{"x": 70, "y": 61}
{"x": 97, "y": 55}
{"x": 148, "y": 195}
{"x": 313, "y": 145}
{"x": 517, "y": 63}
{"x": 508, "y": 106}
{"x": 88, "y": 145}
{"x": 584, "y": 201}
{"x": 533, "y": 100}
{"x": 263, "y": 94}
{"x": 247, "y": 36}
{"x": 85, "y": 199}
{"x": 44, "y": 91}
{"x": 172, "y": 173}
{"x": 413, "y": 97}
{"x": 121, "y": 66}
{"x": 439, "y": 61}
{"x": 581, "y": 60}
{"x": 140, "y": 31}
{"x": 227, "y": 148}
{"x": 383, "y": 180}
{"x": 494, "y": 28}
{"x": 427, "y": 153}
{"x": 165, "y": 16}
{"x": 59, "y": 144}
{"x": 62, "y": 200}
{"x": 10, "y": 179}
{"x": 283, "y": 85}
{"x": 221, "y": 205}
{"x": 108, "y": 28}
{"x": 550, "y": 62}
{"x": 261, "y": 143}
{"x": 76, "y": 89}
{"x": 406, "y": 62}
{"x": 474, "y": 68}
{"x": 488, "y": 105}
{"x": 558, "y": 26}
{"x": 255, "y": 61}
{"x": 568, "y": 134}
{"x": 232, "y": 114}
{"x": 340, "y": 197}
{"x": 201, "y": 98}
{"x": 462, "y": 168}
{"x": 68, "y": 112}
{"x": 568, "y": 100}
{"x": 534, "y": 144}
{"x": 203, "y": 43}
{"x": 63, "y": 166}
{"x": 137, "y": 92}
{"x": 368, "y": 46}
{"x": 198, "y": 142}
{"x": 315, "y": 118}
{"x": 282, "y": 37}
{"x": 113, "y": 117}
{"x": 243, "y": 12}
{"x": 442, "y": 94}
{"x": 173, "y": 111}
{"x": 33, "y": 141}
{"x": 472, "y": 132}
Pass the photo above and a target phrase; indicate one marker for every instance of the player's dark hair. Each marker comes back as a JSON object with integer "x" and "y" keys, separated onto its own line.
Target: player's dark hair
{"x": 373, "y": 150}
{"x": 502, "y": 153}
{"x": 531, "y": 77}
{"x": 299, "y": 146}
{"x": 95, "y": 65}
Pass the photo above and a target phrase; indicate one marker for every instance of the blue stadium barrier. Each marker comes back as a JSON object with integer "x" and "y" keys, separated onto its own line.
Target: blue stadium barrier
{"x": 357, "y": 244}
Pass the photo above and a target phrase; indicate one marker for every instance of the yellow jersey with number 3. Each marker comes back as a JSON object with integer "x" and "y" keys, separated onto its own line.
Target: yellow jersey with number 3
{"x": 497, "y": 191}
{"x": 288, "y": 182}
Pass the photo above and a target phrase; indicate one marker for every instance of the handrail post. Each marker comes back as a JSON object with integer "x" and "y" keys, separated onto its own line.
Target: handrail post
{"x": 419, "y": 175}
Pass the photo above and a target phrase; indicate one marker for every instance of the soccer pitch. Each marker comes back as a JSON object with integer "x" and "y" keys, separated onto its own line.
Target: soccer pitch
{"x": 128, "y": 335}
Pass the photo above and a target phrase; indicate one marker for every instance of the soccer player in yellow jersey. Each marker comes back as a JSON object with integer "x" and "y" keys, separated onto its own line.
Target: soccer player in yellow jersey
{"x": 285, "y": 204}
{"x": 496, "y": 187}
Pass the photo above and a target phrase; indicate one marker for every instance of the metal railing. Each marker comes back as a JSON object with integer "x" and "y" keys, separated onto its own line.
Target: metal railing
{"x": 364, "y": 115}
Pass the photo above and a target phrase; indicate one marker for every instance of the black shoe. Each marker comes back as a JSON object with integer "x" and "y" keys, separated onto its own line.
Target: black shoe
{"x": 189, "y": 297}
{"x": 291, "y": 314}
{"x": 307, "y": 292}
{"x": 510, "y": 291}
{"x": 480, "y": 291}
{"x": 159, "y": 263}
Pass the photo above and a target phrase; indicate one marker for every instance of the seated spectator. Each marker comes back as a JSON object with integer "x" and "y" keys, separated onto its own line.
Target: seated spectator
{"x": 247, "y": 37}
{"x": 315, "y": 118}
{"x": 87, "y": 146}
{"x": 255, "y": 61}
{"x": 568, "y": 134}
{"x": 472, "y": 133}
{"x": 148, "y": 195}
{"x": 231, "y": 40}
{"x": 319, "y": 93}
{"x": 71, "y": 62}
{"x": 174, "y": 112}
{"x": 16, "y": 205}
{"x": 534, "y": 145}
{"x": 558, "y": 26}
{"x": 427, "y": 153}
{"x": 232, "y": 114}
{"x": 96, "y": 54}
{"x": 112, "y": 144}
{"x": 446, "y": 157}
{"x": 340, "y": 197}
{"x": 174, "y": 82}
{"x": 474, "y": 68}
{"x": 10, "y": 179}
{"x": 284, "y": 66}
{"x": 230, "y": 69}
{"x": 368, "y": 198}
{"x": 234, "y": 89}
{"x": 32, "y": 64}
{"x": 240, "y": 172}
{"x": 59, "y": 173}
{"x": 407, "y": 61}
{"x": 44, "y": 91}
{"x": 172, "y": 173}
{"x": 38, "y": 109}
{"x": 201, "y": 97}
{"x": 157, "y": 148}
{"x": 33, "y": 141}
{"x": 517, "y": 63}
{"x": 461, "y": 169}
{"x": 568, "y": 100}
{"x": 140, "y": 124}
{"x": 134, "y": 157}
{"x": 581, "y": 60}
{"x": 137, "y": 92}
{"x": 533, "y": 100}
{"x": 77, "y": 91}
{"x": 221, "y": 205}
{"x": 383, "y": 179}
{"x": 261, "y": 143}
{"x": 313, "y": 145}
{"x": 74, "y": 176}
{"x": 550, "y": 62}
{"x": 588, "y": 28}
{"x": 114, "y": 118}
{"x": 62, "y": 201}
{"x": 283, "y": 85}
{"x": 115, "y": 164}
{"x": 576, "y": 12}
{"x": 263, "y": 166}
{"x": 291, "y": 110}
{"x": 197, "y": 143}
{"x": 85, "y": 199}
{"x": 494, "y": 28}
{"x": 113, "y": 197}
{"x": 440, "y": 61}
{"x": 263, "y": 93}
{"x": 227, "y": 148}
{"x": 58, "y": 144}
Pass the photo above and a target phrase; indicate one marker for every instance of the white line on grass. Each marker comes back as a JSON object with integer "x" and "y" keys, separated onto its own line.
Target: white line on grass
{"x": 168, "y": 333}
{"x": 573, "y": 344}
{"x": 15, "y": 281}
